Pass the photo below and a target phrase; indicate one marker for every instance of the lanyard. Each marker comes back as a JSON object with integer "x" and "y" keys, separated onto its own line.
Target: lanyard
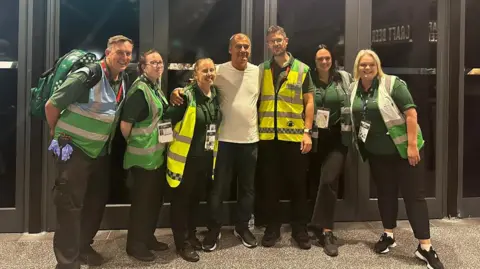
{"x": 156, "y": 89}
{"x": 287, "y": 71}
{"x": 120, "y": 90}
{"x": 364, "y": 98}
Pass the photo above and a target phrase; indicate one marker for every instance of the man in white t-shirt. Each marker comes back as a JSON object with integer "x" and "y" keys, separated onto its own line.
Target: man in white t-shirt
{"x": 238, "y": 85}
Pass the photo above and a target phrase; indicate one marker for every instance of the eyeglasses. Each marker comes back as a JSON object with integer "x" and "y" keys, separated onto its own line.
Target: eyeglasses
{"x": 274, "y": 41}
{"x": 156, "y": 64}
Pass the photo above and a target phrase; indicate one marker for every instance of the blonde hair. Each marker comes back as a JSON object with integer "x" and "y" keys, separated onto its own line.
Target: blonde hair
{"x": 375, "y": 58}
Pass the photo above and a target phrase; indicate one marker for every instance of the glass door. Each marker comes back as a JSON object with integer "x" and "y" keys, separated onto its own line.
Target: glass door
{"x": 404, "y": 35}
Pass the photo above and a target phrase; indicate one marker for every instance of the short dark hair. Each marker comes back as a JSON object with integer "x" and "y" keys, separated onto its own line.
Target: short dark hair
{"x": 143, "y": 60}
{"x": 276, "y": 29}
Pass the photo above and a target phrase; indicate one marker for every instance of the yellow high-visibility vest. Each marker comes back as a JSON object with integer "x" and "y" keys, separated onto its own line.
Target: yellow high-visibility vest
{"x": 287, "y": 104}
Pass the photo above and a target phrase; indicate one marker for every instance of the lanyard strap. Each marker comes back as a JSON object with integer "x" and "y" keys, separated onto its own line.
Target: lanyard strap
{"x": 156, "y": 89}
{"x": 287, "y": 71}
{"x": 120, "y": 90}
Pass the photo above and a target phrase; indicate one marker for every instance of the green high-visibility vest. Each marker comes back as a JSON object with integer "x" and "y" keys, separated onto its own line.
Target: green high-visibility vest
{"x": 393, "y": 118}
{"x": 143, "y": 148}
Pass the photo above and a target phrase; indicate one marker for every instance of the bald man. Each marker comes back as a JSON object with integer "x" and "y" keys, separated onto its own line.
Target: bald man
{"x": 237, "y": 81}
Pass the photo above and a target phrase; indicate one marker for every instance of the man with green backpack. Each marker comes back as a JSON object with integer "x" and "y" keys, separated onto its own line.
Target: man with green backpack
{"x": 82, "y": 113}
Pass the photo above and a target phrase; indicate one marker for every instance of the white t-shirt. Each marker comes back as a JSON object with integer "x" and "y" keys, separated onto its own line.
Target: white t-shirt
{"x": 238, "y": 91}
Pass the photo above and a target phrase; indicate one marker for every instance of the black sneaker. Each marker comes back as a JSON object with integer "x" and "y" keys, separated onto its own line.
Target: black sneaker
{"x": 430, "y": 257}
{"x": 248, "y": 239}
{"x": 270, "y": 237}
{"x": 188, "y": 253}
{"x": 90, "y": 257}
{"x": 329, "y": 243}
{"x": 302, "y": 238}
{"x": 384, "y": 244}
{"x": 211, "y": 239}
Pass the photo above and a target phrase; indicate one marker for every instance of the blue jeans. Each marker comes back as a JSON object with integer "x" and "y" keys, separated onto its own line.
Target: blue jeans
{"x": 234, "y": 161}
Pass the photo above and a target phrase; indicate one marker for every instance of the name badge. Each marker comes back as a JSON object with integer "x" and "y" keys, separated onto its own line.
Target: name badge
{"x": 165, "y": 132}
{"x": 363, "y": 131}
{"x": 322, "y": 118}
{"x": 210, "y": 137}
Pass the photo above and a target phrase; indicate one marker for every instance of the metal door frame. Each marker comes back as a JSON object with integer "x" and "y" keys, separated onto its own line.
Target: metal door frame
{"x": 368, "y": 208}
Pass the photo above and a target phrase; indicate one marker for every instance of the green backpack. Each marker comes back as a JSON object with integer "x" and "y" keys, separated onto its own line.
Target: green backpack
{"x": 53, "y": 78}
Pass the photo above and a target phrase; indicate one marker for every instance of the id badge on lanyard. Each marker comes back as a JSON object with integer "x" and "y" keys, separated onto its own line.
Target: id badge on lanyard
{"x": 211, "y": 137}
{"x": 165, "y": 132}
{"x": 364, "y": 124}
{"x": 322, "y": 118}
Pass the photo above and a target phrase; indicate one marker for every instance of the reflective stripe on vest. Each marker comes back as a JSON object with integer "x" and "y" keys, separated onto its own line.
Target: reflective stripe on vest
{"x": 182, "y": 138}
{"x": 394, "y": 119}
{"x": 143, "y": 148}
{"x": 286, "y": 105}
{"x": 90, "y": 124}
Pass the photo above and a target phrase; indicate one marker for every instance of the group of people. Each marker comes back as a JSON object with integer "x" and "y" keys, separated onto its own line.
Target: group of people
{"x": 230, "y": 121}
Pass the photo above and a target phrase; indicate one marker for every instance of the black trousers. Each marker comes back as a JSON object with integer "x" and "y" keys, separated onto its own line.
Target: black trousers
{"x": 80, "y": 195}
{"x": 234, "y": 161}
{"x": 146, "y": 196}
{"x": 391, "y": 172}
{"x": 186, "y": 197}
{"x": 326, "y": 166}
{"x": 283, "y": 168}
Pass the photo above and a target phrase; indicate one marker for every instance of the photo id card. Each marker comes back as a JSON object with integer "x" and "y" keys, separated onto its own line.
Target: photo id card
{"x": 165, "y": 132}
{"x": 210, "y": 138}
{"x": 322, "y": 118}
{"x": 363, "y": 131}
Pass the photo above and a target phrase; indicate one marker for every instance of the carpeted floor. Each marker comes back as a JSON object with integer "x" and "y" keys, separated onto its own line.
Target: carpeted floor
{"x": 456, "y": 242}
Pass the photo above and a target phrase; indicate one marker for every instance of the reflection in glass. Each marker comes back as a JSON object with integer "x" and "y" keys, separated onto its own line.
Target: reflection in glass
{"x": 8, "y": 141}
{"x": 305, "y": 35}
{"x": 88, "y": 24}
{"x": 200, "y": 28}
{"x": 87, "y": 28}
{"x": 404, "y": 34}
{"x": 9, "y": 30}
{"x": 471, "y": 148}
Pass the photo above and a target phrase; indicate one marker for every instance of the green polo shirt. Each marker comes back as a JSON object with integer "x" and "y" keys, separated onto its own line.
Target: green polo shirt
{"x": 330, "y": 95}
{"x": 208, "y": 112}
{"x": 75, "y": 89}
{"x": 378, "y": 140}
{"x": 135, "y": 108}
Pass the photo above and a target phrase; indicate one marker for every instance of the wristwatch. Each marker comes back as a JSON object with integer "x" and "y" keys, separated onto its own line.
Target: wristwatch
{"x": 307, "y": 131}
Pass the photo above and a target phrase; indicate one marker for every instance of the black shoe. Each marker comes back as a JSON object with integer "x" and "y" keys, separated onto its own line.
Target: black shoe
{"x": 210, "y": 241}
{"x": 188, "y": 253}
{"x": 156, "y": 245}
{"x": 248, "y": 239}
{"x": 302, "y": 238}
{"x": 384, "y": 244}
{"x": 193, "y": 240}
{"x": 141, "y": 254}
{"x": 430, "y": 257}
{"x": 74, "y": 265}
{"x": 90, "y": 257}
{"x": 329, "y": 243}
{"x": 270, "y": 237}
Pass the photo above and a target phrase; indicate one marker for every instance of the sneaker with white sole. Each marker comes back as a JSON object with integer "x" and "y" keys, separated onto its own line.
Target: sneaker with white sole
{"x": 384, "y": 244}
{"x": 429, "y": 257}
{"x": 248, "y": 239}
